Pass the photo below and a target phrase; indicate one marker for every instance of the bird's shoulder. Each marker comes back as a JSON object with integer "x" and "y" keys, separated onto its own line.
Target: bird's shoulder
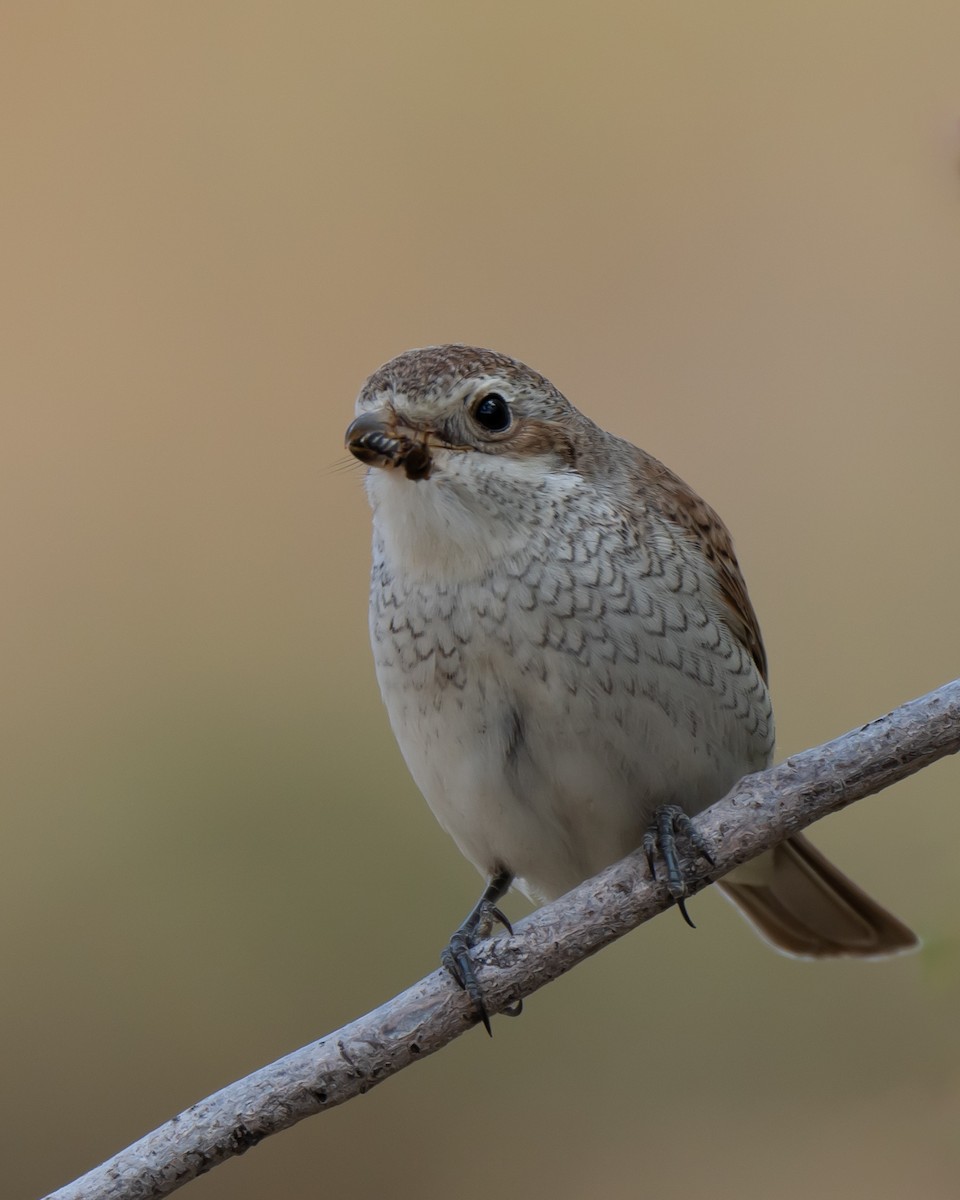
{"x": 649, "y": 485}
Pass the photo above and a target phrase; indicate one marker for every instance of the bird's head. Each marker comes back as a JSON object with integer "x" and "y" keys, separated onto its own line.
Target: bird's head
{"x": 427, "y": 405}
{"x": 464, "y": 444}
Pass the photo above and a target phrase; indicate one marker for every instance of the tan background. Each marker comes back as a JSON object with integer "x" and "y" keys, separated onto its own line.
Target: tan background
{"x": 729, "y": 232}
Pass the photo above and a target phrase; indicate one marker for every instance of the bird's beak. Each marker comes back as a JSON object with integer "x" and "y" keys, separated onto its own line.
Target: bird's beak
{"x": 375, "y": 439}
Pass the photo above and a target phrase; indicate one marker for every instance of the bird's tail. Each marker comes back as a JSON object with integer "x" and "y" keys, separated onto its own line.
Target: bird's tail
{"x": 799, "y": 902}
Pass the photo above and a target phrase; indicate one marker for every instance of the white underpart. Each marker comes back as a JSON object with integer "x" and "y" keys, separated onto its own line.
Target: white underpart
{"x": 546, "y": 688}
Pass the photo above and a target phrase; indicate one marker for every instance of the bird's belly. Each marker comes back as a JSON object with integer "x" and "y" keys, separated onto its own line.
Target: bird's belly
{"x": 543, "y": 762}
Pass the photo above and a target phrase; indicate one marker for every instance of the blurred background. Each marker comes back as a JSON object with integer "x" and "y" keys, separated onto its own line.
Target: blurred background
{"x": 730, "y": 233}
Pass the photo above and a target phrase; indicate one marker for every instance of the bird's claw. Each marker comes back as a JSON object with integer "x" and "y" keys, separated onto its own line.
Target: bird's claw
{"x": 668, "y": 821}
{"x": 457, "y": 957}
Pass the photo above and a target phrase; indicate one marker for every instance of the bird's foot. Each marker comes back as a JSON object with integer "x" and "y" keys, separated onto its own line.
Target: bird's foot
{"x": 668, "y": 821}
{"x": 457, "y": 955}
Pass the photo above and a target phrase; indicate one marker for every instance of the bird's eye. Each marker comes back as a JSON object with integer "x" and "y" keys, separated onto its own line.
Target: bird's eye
{"x": 492, "y": 413}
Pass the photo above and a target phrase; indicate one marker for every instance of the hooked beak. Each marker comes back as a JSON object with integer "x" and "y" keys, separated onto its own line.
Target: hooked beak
{"x": 374, "y": 439}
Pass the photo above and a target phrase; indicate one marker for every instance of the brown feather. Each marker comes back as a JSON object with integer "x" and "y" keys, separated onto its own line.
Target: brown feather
{"x": 805, "y": 906}
{"x": 682, "y": 506}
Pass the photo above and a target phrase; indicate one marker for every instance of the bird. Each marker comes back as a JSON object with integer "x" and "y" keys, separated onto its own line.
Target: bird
{"x": 567, "y": 651}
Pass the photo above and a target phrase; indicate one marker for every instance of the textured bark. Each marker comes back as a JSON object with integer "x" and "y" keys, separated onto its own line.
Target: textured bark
{"x": 759, "y": 812}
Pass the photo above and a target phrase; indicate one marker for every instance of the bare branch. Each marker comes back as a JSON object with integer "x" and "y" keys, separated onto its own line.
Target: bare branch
{"x": 759, "y": 812}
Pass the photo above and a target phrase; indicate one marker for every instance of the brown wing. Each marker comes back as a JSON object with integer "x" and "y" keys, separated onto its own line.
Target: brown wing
{"x": 795, "y": 897}
{"x": 681, "y": 505}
